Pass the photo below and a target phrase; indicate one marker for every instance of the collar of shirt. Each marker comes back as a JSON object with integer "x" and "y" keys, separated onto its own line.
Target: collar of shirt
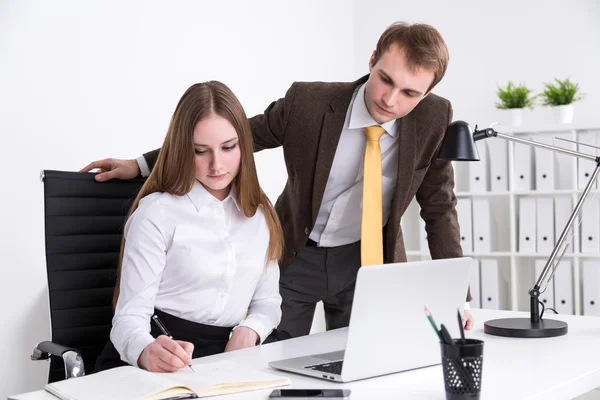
{"x": 200, "y": 197}
{"x": 360, "y": 117}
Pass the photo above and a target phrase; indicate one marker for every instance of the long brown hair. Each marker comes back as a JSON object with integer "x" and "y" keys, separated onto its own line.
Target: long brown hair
{"x": 174, "y": 171}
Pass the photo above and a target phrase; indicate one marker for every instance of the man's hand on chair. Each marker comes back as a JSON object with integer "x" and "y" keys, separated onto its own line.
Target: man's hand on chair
{"x": 112, "y": 168}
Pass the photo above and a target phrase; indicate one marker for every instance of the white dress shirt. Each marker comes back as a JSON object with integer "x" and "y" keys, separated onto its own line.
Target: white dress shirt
{"x": 339, "y": 218}
{"x": 196, "y": 258}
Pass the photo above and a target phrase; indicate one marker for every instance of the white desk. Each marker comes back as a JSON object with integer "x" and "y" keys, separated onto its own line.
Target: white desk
{"x": 551, "y": 368}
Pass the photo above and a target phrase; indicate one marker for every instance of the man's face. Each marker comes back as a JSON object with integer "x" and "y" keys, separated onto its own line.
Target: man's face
{"x": 394, "y": 89}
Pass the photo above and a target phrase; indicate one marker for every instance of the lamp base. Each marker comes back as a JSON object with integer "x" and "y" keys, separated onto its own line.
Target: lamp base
{"x": 524, "y": 328}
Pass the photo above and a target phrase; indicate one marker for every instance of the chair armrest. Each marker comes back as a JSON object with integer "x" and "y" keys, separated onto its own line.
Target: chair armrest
{"x": 44, "y": 350}
{"x": 71, "y": 357}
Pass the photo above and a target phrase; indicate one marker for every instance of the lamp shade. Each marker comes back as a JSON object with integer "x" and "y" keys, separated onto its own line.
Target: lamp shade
{"x": 458, "y": 144}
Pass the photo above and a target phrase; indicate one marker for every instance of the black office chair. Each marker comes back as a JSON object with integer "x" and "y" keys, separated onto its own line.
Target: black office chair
{"x": 84, "y": 223}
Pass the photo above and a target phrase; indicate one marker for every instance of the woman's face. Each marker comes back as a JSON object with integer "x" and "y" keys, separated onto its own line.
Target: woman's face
{"x": 218, "y": 155}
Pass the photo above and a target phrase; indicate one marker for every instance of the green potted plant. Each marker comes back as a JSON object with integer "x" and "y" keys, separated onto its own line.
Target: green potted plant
{"x": 560, "y": 95}
{"x": 515, "y": 98}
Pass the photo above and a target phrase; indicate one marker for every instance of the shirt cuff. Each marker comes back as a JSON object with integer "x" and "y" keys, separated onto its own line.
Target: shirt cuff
{"x": 144, "y": 168}
{"x": 257, "y": 326}
{"x": 467, "y": 305}
{"x": 135, "y": 349}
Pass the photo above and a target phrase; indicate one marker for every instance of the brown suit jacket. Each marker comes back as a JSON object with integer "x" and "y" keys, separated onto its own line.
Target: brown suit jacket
{"x": 308, "y": 123}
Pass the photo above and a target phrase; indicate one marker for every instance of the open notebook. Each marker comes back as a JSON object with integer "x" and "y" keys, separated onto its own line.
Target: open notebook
{"x": 221, "y": 377}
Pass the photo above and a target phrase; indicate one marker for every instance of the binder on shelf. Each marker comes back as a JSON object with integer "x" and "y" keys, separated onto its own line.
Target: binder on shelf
{"x": 591, "y": 287}
{"x": 462, "y": 175}
{"x": 490, "y": 284}
{"x": 523, "y": 166}
{"x": 585, "y": 168}
{"x": 478, "y": 171}
{"x": 563, "y": 207}
{"x": 482, "y": 241}
{"x": 563, "y": 288}
{"x": 465, "y": 221}
{"x": 475, "y": 284}
{"x": 547, "y": 297}
{"x": 527, "y": 225}
{"x": 498, "y": 156}
{"x": 544, "y": 164}
{"x": 565, "y": 165}
{"x": 545, "y": 224}
{"x": 590, "y": 217}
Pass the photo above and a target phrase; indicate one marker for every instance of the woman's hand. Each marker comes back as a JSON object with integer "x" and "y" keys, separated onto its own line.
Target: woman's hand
{"x": 241, "y": 338}
{"x": 166, "y": 355}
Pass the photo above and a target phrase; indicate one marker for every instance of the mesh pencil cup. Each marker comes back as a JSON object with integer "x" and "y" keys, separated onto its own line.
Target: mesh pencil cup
{"x": 462, "y": 365}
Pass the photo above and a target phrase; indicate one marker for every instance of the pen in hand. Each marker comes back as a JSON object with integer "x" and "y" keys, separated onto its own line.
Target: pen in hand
{"x": 165, "y": 332}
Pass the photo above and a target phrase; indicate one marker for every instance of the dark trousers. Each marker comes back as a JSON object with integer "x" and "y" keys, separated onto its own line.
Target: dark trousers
{"x": 325, "y": 274}
{"x": 207, "y": 339}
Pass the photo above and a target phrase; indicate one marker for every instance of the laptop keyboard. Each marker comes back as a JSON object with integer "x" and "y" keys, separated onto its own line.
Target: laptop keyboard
{"x": 331, "y": 367}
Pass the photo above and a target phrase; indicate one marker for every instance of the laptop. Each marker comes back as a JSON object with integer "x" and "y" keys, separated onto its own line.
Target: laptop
{"x": 388, "y": 330}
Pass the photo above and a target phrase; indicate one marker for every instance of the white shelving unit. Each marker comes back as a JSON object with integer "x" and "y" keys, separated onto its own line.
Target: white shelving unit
{"x": 517, "y": 268}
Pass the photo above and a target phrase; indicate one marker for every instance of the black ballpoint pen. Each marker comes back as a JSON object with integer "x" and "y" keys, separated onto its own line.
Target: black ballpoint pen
{"x": 165, "y": 332}
{"x": 446, "y": 338}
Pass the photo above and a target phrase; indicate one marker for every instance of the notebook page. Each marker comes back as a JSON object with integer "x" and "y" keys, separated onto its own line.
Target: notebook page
{"x": 122, "y": 383}
{"x": 224, "y": 377}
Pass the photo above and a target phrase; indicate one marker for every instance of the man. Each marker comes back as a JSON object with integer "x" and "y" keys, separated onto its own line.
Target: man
{"x": 382, "y": 132}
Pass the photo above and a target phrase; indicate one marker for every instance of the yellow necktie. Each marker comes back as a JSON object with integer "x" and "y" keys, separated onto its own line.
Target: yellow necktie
{"x": 371, "y": 236}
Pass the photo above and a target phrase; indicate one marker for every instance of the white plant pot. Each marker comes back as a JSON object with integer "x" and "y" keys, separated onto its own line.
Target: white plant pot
{"x": 563, "y": 114}
{"x": 516, "y": 116}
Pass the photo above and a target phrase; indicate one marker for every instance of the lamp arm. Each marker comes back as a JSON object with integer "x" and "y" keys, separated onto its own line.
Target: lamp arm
{"x": 548, "y": 270}
{"x": 545, "y": 276}
{"x": 536, "y": 144}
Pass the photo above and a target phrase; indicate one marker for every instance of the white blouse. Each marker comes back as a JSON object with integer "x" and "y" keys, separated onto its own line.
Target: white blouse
{"x": 196, "y": 258}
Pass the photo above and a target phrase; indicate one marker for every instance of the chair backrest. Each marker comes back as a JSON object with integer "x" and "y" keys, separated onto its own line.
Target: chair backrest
{"x": 84, "y": 223}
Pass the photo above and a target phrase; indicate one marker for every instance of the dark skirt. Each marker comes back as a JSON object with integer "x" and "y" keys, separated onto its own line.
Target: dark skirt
{"x": 207, "y": 339}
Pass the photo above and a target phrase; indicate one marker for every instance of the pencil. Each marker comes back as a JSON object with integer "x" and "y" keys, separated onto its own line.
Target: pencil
{"x": 432, "y": 322}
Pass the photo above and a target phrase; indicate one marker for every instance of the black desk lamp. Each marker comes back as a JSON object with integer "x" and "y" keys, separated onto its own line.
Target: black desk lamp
{"x": 459, "y": 145}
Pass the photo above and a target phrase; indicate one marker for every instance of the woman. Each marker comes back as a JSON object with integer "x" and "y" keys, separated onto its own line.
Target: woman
{"x": 201, "y": 244}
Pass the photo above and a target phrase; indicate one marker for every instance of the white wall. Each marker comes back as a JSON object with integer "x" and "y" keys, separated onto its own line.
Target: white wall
{"x": 493, "y": 42}
{"x": 87, "y": 80}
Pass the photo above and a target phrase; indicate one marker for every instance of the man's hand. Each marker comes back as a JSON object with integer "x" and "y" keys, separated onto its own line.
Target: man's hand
{"x": 241, "y": 338}
{"x": 467, "y": 320}
{"x": 111, "y": 168}
{"x": 166, "y": 355}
